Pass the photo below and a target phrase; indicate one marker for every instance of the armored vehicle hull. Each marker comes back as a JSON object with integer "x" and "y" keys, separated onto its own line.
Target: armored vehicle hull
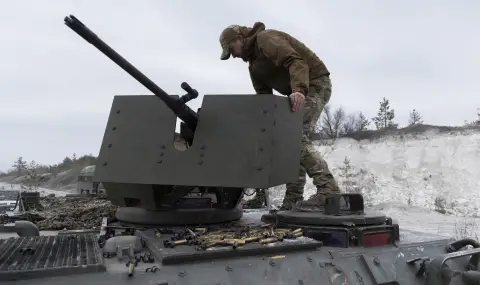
{"x": 77, "y": 258}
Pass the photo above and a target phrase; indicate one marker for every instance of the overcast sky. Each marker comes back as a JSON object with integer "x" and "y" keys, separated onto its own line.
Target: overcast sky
{"x": 56, "y": 89}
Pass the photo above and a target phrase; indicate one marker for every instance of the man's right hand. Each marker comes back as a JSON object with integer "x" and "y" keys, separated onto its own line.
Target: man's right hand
{"x": 297, "y": 99}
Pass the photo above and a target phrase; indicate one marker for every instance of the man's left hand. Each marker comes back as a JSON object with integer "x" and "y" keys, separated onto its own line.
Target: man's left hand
{"x": 296, "y": 98}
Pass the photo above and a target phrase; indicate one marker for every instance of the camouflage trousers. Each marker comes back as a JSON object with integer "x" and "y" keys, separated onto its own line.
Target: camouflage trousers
{"x": 311, "y": 161}
{"x": 258, "y": 201}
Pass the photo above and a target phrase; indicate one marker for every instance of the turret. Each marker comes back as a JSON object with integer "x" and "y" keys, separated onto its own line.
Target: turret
{"x": 235, "y": 142}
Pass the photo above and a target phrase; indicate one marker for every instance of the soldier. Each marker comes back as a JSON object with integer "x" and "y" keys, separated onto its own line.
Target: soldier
{"x": 281, "y": 62}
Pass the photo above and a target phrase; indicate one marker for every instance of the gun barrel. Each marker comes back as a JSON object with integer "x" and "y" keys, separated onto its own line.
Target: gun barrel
{"x": 179, "y": 107}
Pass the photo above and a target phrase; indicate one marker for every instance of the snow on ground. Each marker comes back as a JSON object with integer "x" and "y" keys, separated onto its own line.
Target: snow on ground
{"x": 424, "y": 220}
{"x": 43, "y": 191}
{"x": 403, "y": 176}
{"x": 418, "y": 169}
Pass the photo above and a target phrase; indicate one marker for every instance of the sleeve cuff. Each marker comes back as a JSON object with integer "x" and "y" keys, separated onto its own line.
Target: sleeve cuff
{"x": 300, "y": 90}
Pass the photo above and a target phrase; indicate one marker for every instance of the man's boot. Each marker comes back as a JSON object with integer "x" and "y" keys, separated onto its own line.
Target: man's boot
{"x": 316, "y": 202}
{"x": 256, "y": 202}
{"x": 294, "y": 191}
{"x": 290, "y": 200}
{"x": 293, "y": 194}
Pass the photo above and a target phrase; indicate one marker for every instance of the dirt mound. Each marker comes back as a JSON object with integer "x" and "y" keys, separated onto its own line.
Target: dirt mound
{"x": 409, "y": 130}
{"x": 60, "y": 213}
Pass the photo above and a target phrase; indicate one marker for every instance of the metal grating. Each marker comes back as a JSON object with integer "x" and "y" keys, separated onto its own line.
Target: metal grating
{"x": 42, "y": 256}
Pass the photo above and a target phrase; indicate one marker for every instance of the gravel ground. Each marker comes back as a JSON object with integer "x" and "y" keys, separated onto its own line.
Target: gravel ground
{"x": 58, "y": 213}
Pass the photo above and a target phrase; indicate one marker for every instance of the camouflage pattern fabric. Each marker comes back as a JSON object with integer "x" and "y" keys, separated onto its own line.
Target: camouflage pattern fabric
{"x": 311, "y": 160}
{"x": 256, "y": 202}
{"x": 316, "y": 203}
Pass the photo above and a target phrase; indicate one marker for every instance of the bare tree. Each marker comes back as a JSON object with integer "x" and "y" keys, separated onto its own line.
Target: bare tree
{"x": 349, "y": 125}
{"x": 385, "y": 116}
{"x": 325, "y": 124}
{"x": 331, "y": 122}
{"x": 414, "y": 118}
{"x": 336, "y": 123}
{"x": 356, "y": 123}
{"x": 339, "y": 118}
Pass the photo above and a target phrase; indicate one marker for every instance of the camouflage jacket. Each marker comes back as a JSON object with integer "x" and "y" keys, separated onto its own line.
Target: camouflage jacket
{"x": 279, "y": 61}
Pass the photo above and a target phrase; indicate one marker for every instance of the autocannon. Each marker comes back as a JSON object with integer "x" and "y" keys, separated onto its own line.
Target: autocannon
{"x": 197, "y": 176}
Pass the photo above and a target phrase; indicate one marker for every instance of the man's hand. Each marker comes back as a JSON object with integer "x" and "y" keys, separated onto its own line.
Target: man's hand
{"x": 296, "y": 98}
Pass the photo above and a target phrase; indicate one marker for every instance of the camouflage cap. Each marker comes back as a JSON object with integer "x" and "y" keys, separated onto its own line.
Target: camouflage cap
{"x": 226, "y": 37}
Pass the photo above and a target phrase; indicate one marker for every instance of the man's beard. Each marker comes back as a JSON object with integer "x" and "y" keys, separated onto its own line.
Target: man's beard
{"x": 246, "y": 54}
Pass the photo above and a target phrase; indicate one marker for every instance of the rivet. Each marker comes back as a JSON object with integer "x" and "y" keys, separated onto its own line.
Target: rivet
{"x": 160, "y": 161}
{"x": 200, "y": 162}
{"x": 118, "y": 111}
{"x": 272, "y": 263}
{"x": 182, "y": 273}
{"x": 259, "y": 168}
{"x": 203, "y": 147}
{"x": 228, "y": 268}
{"x": 202, "y": 155}
{"x": 161, "y": 154}
{"x": 114, "y": 128}
{"x": 264, "y": 130}
{"x": 309, "y": 259}
{"x": 265, "y": 111}
{"x": 260, "y": 149}
{"x": 162, "y": 147}
{"x": 105, "y": 163}
{"x": 300, "y": 282}
{"x": 109, "y": 145}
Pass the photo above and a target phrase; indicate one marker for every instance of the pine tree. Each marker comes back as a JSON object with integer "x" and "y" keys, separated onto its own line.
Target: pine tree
{"x": 20, "y": 165}
{"x": 348, "y": 175}
{"x": 385, "y": 116}
{"x": 414, "y": 118}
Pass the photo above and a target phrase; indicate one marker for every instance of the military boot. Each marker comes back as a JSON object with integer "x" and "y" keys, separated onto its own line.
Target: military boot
{"x": 256, "y": 202}
{"x": 289, "y": 203}
{"x": 315, "y": 203}
{"x": 325, "y": 184}
{"x": 292, "y": 196}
